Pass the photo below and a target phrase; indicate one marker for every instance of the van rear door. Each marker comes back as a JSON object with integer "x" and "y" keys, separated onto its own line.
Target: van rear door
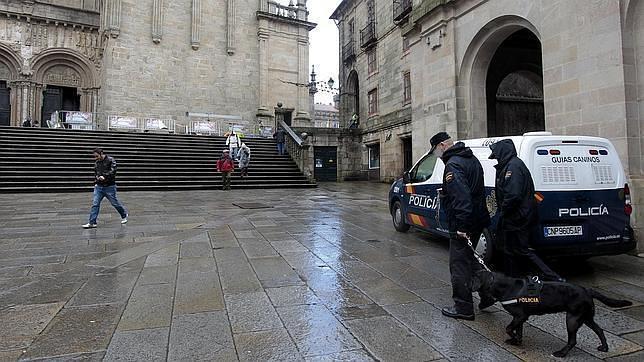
{"x": 580, "y": 185}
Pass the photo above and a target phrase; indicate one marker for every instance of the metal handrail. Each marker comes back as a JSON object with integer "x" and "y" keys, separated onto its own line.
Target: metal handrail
{"x": 291, "y": 133}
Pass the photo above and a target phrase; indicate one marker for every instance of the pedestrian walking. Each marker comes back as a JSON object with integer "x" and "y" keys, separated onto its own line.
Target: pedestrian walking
{"x": 280, "y": 138}
{"x": 104, "y": 186}
{"x": 225, "y": 165}
{"x": 233, "y": 142}
{"x": 244, "y": 160}
{"x": 518, "y": 220}
{"x": 463, "y": 198}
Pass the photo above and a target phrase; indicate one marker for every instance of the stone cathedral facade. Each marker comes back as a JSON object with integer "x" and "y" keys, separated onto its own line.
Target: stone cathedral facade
{"x": 154, "y": 58}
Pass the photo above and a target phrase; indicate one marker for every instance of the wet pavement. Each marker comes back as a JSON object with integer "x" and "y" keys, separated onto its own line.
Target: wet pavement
{"x": 315, "y": 275}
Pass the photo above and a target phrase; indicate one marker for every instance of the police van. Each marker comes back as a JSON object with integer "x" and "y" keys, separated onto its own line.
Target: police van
{"x": 583, "y": 197}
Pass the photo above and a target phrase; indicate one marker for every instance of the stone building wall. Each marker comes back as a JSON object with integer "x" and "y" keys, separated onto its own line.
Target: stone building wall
{"x": 392, "y": 122}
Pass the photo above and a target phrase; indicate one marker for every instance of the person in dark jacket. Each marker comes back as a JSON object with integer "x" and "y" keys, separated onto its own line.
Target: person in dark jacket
{"x": 463, "y": 198}
{"x": 280, "y": 138}
{"x": 518, "y": 220}
{"x": 104, "y": 186}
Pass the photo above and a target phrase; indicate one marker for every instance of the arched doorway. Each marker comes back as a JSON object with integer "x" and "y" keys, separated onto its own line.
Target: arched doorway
{"x": 353, "y": 94}
{"x": 514, "y": 86}
{"x": 9, "y": 66}
{"x": 67, "y": 83}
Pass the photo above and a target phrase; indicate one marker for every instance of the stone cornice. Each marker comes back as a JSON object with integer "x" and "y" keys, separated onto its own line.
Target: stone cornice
{"x": 52, "y": 13}
{"x": 305, "y": 24}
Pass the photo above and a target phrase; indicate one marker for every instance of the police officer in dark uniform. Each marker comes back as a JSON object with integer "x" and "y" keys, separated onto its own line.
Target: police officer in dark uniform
{"x": 518, "y": 219}
{"x": 463, "y": 198}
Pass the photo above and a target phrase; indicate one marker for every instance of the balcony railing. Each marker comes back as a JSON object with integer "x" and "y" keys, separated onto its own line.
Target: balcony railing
{"x": 401, "y": 9}
{"x": 368, "y": 34}
{"x": 348, "y": 51}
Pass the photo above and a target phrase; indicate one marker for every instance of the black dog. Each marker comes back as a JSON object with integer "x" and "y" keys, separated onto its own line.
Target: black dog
{"x": 523, "y": 298}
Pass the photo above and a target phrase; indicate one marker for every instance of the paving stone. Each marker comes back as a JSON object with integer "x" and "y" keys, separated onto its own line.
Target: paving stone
{"x": 358, "y": 355}
{"x": 271, "y": 345}
{"x": 384, "y": 292}
{"x": 198, "y": 288}
{"x": 450, "y": 337}
{"x": 76, "y": 330}
{"x": 316, "y": 331}
{"x": 15, "y": 271}
{"x": 195, "y": 249}
{"x": 359, "y": 311}
{"x": 201, "y": 337}
{"x": 627, "y": 291}
{"x": 388, "y": 340}
{"x": 275, "y": 272}
{"x": 632, "y": 357}
{"x": 13, "y": 355}
{"x": 158, "y": 275}
{"x": 22, "y": 323}
{"x": 288, "y": 246}
{"x": 356, "y": 271}
{"x": 255, "y": 248}
{"x": 637, "y": 337}
{"x": 587, "y": 340}
{"x": 406, "y": 275}
{"x": 105, "y": 288}
{"x": 140, "y": 345}
{"x": 292, "y": 295}
{"x": 634, "y": 312}
{"x": 86, "y": 357}
{"x": 150, "y": 306}
{"x": 235, "y": 272}
{"x": 45, "y": 290}
{"x": 223, "y": 238}
{"x": 249, "y": 312}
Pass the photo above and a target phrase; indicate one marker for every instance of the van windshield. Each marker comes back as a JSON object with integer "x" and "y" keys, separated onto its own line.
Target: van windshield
{"x": 424, "y": 169}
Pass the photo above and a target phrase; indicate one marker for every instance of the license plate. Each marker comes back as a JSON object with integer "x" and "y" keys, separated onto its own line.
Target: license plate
{"x": 552, "y": 231}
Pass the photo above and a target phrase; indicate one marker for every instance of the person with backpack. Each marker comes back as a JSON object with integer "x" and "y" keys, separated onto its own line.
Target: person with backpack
{"x": 234, "y": 144}
{"x": 244, "y": 160}
{"x": 225, "y": 165}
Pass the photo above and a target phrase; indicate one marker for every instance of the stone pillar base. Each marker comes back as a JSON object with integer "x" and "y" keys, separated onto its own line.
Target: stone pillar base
{"x": 302, "y": 119}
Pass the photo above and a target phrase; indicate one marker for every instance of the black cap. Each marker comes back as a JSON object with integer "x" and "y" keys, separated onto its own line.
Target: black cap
{"x": 438, "y": 138}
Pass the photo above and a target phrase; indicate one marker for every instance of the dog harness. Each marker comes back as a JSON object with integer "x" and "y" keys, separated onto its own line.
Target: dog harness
{"x": 530, "y": 293}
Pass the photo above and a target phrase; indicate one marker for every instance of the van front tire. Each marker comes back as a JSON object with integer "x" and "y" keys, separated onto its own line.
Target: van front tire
{"x": 398, "y": 218}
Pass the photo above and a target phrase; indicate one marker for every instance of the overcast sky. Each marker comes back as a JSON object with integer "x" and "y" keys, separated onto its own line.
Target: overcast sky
{"x": 324, "y": 51}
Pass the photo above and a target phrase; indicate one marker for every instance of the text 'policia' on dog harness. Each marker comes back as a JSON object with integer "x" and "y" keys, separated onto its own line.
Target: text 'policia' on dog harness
{"x": 530, "y": 293}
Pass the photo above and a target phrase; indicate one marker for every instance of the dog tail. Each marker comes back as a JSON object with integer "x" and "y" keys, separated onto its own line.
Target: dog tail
{"x": 615, "y": 303}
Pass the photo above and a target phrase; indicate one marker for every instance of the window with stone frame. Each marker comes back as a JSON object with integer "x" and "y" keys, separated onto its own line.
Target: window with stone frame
{"x": 372, "y": 98}
{"x": 406, "y": 87}
{"x": 374, "y": 155}
{"x": 372, "y": 65}
{"x": 405, "y": 44}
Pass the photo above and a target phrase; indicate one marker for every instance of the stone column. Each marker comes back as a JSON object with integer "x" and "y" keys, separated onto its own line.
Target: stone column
{"x": 302, "y": 118}
{"x": 113, "y": 8}
{"x": 157, "y": 21}
{"x": 230, "y": 33}
{"x": 196, "y": 24}
{"x": 37, "y": 101}
{"x": 263, "y": 112}
{"x": 263, "y": 5}
{"x": 23, "y": 91}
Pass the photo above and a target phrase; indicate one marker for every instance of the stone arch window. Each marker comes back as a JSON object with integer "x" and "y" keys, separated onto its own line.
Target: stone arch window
{"x": 353, "y": 95}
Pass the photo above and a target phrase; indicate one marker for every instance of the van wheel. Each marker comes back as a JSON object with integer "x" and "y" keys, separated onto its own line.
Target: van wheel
{"x": 485, "y": 247}
{"x": 398, "y": 218}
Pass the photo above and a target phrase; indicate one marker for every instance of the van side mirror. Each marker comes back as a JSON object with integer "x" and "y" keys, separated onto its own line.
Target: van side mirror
{"x": 406, "y": 177}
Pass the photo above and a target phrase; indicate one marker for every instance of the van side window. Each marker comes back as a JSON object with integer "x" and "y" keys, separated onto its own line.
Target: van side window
{"x": 424, "y": 169}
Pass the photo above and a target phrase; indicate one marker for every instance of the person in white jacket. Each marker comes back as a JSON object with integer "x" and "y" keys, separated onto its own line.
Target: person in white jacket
{"x": 244, "y": 160}
{"x": 234, "y": 144}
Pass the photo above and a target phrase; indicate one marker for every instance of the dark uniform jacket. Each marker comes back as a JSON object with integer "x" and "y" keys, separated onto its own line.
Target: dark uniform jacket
{"x": 514, "y": 187}
{"x": 464, "y": 191}
{"x": 106, "y": 168}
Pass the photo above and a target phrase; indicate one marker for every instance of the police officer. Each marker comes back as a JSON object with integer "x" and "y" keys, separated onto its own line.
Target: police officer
{"x": 463, "y": 198}
{"x": 518, "y": 211}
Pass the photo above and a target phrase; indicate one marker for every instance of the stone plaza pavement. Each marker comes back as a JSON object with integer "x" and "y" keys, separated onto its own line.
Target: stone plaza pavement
{"x": 322, "y": 276}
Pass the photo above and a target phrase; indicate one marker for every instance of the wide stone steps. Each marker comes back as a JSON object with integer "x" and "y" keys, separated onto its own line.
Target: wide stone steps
{"x": 48, "y": 160}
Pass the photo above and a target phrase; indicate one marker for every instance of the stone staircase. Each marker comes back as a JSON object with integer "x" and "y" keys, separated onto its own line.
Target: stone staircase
{"x": 54, "y": 160}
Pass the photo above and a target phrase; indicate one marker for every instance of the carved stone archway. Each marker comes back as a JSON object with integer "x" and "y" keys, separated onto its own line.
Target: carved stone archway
{"x": 472, "y": 113}
{"x": 67, "y": 68}
{"x": 10, "y": 65}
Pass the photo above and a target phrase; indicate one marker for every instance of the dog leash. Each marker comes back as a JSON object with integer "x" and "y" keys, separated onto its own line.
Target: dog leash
{"x": 476, "y": 255}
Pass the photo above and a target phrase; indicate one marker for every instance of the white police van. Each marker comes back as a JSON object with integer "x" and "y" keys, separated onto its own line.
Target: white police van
{"x": 584, "y": 200}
